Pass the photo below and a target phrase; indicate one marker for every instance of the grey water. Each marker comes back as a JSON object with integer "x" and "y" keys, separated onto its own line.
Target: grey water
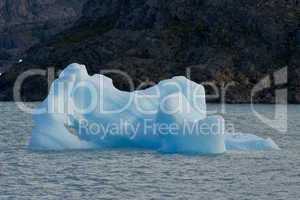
{"x": 135, "y": 174}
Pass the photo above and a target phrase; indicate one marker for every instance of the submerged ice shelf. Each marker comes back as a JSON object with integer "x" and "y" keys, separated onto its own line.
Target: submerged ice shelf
{"x": 88, "y": 112}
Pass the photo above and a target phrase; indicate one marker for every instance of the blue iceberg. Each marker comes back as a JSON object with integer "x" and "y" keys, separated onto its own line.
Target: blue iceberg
{"x": 88, "y": 112}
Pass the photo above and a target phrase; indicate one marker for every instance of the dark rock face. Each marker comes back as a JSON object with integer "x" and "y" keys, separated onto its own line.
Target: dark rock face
{"x": 220, "y": 41}
{"x": 24, "y": 23}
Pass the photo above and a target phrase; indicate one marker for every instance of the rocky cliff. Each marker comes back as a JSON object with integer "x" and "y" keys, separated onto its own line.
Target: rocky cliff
{"x": 24, "y": 23}
{"x": 222, "y": 41}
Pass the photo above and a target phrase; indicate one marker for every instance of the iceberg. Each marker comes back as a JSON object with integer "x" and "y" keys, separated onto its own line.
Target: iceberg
{"x": 88, "y": 112}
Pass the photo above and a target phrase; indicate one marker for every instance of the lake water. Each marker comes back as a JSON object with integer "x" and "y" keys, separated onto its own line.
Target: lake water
{"x": 133, "y": 174}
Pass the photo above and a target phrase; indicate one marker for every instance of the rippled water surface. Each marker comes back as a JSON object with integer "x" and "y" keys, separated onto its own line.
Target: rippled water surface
{"x": 133, "y": 174}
